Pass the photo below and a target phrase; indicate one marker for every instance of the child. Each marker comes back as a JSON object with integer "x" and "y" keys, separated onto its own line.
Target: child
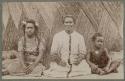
{"x": 30, "y": 50}
{"x": 98, "y": 58}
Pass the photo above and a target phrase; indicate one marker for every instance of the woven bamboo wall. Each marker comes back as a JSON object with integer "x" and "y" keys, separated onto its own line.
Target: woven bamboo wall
{"x": 91, "y": 16}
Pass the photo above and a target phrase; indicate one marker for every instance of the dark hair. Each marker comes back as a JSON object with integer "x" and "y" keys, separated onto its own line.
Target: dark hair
{"x": 70, "y": 16}
{"x": 36, "y": 33}
{"x": 96, "y": 35}
{"x": 33, "y": 22}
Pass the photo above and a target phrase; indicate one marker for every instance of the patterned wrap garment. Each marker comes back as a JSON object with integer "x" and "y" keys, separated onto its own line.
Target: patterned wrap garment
{"x": 101, "y": 59}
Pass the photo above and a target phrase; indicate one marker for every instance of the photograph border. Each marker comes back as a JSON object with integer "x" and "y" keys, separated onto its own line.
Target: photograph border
{"x": 2, "y": 1}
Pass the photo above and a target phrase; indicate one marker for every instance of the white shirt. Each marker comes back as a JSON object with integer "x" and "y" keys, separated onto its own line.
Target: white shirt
{"x": 60, "y": 45}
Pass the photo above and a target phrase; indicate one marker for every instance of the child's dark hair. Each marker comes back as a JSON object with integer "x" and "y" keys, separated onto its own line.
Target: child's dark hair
{"x": 96, "y": 35}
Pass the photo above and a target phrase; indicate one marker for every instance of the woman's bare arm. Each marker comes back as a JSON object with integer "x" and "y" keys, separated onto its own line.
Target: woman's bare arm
{"x": 21, "y": 58}
{"x": 39, "y": 57}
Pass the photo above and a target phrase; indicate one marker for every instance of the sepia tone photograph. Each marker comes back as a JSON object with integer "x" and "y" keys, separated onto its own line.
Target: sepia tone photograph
{"x": 63, "y": 40}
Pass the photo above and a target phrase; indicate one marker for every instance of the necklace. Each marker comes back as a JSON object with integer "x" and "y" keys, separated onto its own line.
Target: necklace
{"x": 96, "y": 52}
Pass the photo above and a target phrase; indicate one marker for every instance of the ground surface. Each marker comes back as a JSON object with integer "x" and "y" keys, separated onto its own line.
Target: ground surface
{"x": 119, "y": 75}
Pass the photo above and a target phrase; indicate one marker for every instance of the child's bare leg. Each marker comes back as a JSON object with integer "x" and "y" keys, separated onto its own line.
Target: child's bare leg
{"x": 114, "y": 65}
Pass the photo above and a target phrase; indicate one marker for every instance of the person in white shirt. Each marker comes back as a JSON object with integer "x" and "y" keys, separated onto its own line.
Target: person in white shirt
{"x": 68, "y": 52}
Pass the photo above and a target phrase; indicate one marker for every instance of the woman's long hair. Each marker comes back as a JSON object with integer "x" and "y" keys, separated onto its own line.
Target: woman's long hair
{"x": 35, "y": 33}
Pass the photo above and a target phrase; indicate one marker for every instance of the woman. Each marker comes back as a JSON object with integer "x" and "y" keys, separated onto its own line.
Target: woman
{"x": 30, "y": 49}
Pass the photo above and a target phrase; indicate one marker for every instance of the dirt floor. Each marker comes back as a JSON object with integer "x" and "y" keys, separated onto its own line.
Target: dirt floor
{"x": 119, "y": 75}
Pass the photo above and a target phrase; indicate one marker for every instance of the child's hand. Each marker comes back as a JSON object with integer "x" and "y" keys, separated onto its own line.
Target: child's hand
{"x": 106, "y": 69}
{"x": 100, "y": 71}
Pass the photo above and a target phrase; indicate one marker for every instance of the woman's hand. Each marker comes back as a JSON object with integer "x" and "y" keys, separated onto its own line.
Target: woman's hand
{"x": 62, "y": 63}
{"x": 77, "y": 62}
{"x": 77, "y": 59}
